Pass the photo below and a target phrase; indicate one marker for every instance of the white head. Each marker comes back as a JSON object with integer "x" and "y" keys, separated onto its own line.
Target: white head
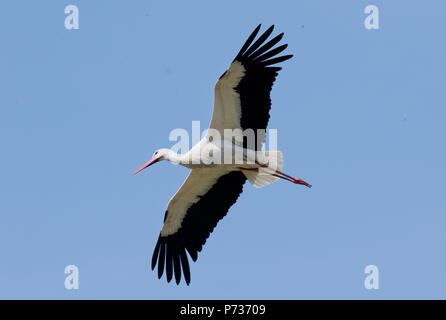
{"x": 158, "y": 155}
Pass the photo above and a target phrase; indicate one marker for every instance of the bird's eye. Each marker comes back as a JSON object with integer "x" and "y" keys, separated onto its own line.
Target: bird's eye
{"x": 156, "y": 153}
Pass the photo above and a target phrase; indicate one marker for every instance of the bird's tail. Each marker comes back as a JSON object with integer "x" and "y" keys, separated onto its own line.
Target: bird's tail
{"x": 264, "y": 175}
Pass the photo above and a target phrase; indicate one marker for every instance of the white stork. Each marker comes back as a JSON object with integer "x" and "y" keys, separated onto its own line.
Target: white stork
{"x": 242, "y": 101}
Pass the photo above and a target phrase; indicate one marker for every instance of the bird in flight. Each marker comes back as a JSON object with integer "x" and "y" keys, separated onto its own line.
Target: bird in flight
{"x": 241, "y": 102}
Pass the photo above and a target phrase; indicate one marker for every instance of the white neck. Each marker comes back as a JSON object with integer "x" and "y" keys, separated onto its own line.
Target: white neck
{"x": 174, "y": 157}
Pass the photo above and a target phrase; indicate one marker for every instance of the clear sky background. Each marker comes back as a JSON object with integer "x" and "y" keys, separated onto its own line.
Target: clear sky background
{"x": 360, "y": 114}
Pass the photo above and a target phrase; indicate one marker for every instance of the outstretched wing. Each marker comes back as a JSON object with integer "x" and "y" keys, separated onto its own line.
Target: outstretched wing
{"x": 242, "y": 94}
{"x": 191, "y": 216}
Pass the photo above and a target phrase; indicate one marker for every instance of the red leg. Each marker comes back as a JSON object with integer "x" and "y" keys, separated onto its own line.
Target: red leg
{"x": 284, "y": 176}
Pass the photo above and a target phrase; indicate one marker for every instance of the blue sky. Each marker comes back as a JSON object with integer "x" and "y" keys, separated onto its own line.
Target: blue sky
{"x": 360, "y": 114}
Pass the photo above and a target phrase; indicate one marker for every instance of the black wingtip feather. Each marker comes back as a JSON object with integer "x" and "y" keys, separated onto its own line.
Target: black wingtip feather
{"x": 267, "y": 46}
{"x": 275, "y": 60}
{"x": 176, "y": 262}
{"x": 259, "y": 41}
{"x": 161, "y": 261}
{"x": 270, "y": 53}
{"x": 169, "y": 260}
{"x": 248, "y": 41}
{"x": 193, "y": 253}
{"x": 185, "y": 264}
{"x": 156, "y": 253}
{"x": 257, "y": 53}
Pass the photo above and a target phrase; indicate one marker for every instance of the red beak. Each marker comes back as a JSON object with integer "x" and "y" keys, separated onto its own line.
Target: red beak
{"x": 147, "y": 164}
